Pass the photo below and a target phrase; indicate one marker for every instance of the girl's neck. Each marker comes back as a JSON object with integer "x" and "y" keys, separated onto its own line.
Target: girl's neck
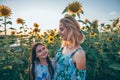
{"x": 43, "y": 61}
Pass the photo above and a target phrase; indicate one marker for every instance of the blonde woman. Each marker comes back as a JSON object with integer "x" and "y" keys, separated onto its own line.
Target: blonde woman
{"x": 70, "y": 58}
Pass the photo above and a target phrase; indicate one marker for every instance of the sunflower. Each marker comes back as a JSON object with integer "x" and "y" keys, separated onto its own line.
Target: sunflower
{"x": 119, "y": 52}
{"x": 74, "y": 7}
{"x": 26, "y": 71}
{"x": 118, "y": 28}
{"x": 36, "y": 25}
{"x": 96, "y": 43}
{"x": 42, "y": 35}
{"x": 92, "y": 34}
{"x": 95, "y": 24}
{"x": 21, "y": 35}
{"x": 51, "y": 34}
{"x": 110, "y": 39}
{"x": 108, "y": 27}
{"x": 83, "y": 28}
{"x": 36, "y": 30}
{"x": 95, "y": 21}
{"x": 10, "y": 67}
{"x": 86, "y": 20}
{"x": 55, "y": 30}
{"x": 12, "y": 32}
{"x": 20, "y": 21}
{"x": 116, "y": 22}
{"x": 5, "y": 11}
{"x": 45, "y": 33}
{"x": 50, "y": 39}
{"x": 30, "y": 32}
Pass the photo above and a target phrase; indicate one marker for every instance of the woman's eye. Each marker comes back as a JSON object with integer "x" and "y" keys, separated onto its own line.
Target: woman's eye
{"x": 61, "y": 29}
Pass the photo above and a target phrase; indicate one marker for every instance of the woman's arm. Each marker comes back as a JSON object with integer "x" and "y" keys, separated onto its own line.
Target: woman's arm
{"x": 79, "y": 59}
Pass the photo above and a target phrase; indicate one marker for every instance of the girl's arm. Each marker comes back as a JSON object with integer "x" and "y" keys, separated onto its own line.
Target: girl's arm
{"x": 30, "y": 74}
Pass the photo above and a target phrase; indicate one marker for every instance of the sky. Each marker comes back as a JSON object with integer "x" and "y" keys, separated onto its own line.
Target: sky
{"x": 47, "y": 13}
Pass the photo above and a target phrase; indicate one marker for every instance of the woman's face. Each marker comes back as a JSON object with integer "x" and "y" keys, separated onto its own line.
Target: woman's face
{"x": 41, "y": 52}
{"x": 63, "y": 31}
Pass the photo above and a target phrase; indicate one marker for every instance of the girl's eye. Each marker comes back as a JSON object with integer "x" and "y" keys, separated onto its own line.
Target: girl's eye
{"x": 38, "y": 51}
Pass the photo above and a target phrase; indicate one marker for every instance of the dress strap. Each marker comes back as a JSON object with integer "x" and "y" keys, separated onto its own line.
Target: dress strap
{"x": 76, "y": 51}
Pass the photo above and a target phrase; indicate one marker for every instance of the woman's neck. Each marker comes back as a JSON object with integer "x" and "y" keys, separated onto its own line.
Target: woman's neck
{"x": 68, "y": 50}
{"x": 43, "y": 61}
{"x": 72, "y": 48}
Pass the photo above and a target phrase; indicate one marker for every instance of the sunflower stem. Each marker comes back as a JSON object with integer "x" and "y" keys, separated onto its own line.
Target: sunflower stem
{"x": 5, "y": 28}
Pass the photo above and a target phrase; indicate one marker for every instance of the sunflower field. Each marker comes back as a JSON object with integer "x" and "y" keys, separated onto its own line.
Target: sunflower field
{"x": 101, "y": 45}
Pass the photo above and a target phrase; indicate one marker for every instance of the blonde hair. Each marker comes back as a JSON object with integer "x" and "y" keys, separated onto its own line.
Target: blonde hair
{"x": 75, "y": 36}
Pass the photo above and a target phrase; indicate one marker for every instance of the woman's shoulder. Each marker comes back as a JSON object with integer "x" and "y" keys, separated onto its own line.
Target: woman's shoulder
{"x": 78, "y": 51}
{"x": 79, "y": 54}
{"x": 80, "y": 59}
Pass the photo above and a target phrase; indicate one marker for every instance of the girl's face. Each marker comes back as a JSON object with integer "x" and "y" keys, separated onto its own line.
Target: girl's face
{"x": 63, "y": 31}
{"x": 41, "y": 52}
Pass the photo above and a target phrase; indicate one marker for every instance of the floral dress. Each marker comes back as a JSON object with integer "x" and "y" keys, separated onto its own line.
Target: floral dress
{"x": 65, "y": 68}
{"x": 41, "y": 72}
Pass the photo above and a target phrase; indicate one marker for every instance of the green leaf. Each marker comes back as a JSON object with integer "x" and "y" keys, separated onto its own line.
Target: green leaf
{"x": 1, "y": 19}
{"x": 20, "y": 62}
{"x": 91, "y": 24}
{"x": 25, "y": 30}
{"x": 9, "y": 22}
{"x": 82, "y": 12}
{"x": 78, "y": 14}
{"x": 12, "y": 28}
{"x": 115, "y": 66}
{"x": 65, "y": 10}
{"x": 19, "y": 32}
{"x": 1, "y": 31}
{"x": 95, "y": 30}
{"x": 82, "y": 21}
{"x": 21, "y": 27}
{"x": 67, "y": 14}
{"x": 102, "y": 25}
{"x": 73, "y": 15}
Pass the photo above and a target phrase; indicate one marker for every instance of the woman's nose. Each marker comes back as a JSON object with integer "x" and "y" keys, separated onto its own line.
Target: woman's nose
{"x": 59, "y": 32}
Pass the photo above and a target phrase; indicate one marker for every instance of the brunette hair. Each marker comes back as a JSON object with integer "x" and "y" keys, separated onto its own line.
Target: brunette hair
{"x": 35, "y": 59}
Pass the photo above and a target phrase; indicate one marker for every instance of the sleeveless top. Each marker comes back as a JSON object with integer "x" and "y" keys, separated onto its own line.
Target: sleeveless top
{"x": 41, "y": 72}
{"x": 65, "y": 68}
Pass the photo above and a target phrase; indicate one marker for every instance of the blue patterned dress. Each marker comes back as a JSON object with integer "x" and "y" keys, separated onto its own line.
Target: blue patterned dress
{"x": 65, "y": 68}
{"x": 41, "y": 72}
